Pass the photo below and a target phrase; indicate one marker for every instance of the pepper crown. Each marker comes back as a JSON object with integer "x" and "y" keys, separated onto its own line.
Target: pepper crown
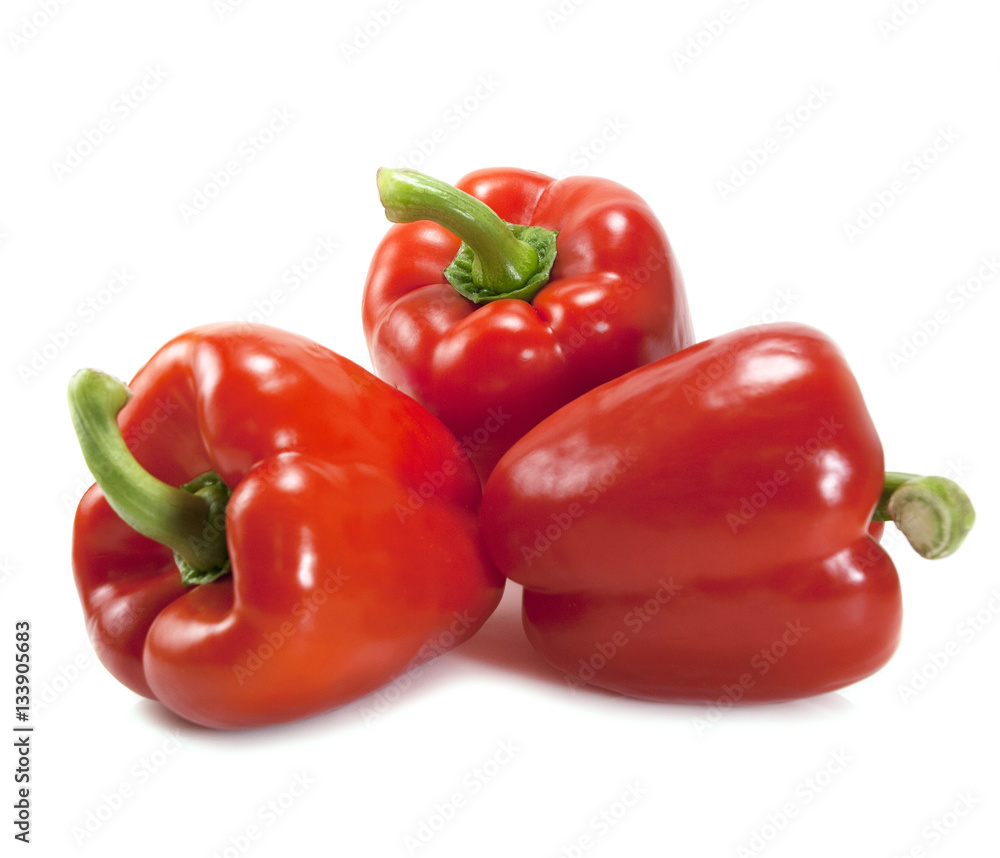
{"x": 190, "y": 519}
{"x": 496, "y": 259}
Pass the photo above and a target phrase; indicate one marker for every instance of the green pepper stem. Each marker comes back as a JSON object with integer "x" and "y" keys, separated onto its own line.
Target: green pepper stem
{"x": 500, "y": 260}
{"x": 933, "y": 513}
{"x": 186, "y": 521}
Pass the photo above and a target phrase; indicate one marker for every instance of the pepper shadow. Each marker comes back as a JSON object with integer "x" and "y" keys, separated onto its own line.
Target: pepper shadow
{"x": 502, "y": 643}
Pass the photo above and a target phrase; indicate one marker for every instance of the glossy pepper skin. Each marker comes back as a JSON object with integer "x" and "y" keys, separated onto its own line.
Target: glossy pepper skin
{"x": 697, "y": 529}
{"x": 345, "y": 571}
{"x": 490, "y": 371}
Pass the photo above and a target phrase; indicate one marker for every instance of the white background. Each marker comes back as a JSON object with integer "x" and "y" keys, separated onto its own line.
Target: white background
{"x": 602, "y": 88}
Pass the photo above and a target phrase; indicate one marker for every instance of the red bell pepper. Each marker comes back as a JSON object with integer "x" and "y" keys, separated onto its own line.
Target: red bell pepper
{"x": 497, "y": 302}
{"x": 700, "y": 524}
{"x": 326, "y": 530}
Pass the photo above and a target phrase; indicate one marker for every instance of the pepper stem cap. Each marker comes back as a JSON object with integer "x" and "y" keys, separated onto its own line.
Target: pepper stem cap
{"x": 933, "y": 513}
{"x": 496, "y": 259}
{"x": 190, "y": 519}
